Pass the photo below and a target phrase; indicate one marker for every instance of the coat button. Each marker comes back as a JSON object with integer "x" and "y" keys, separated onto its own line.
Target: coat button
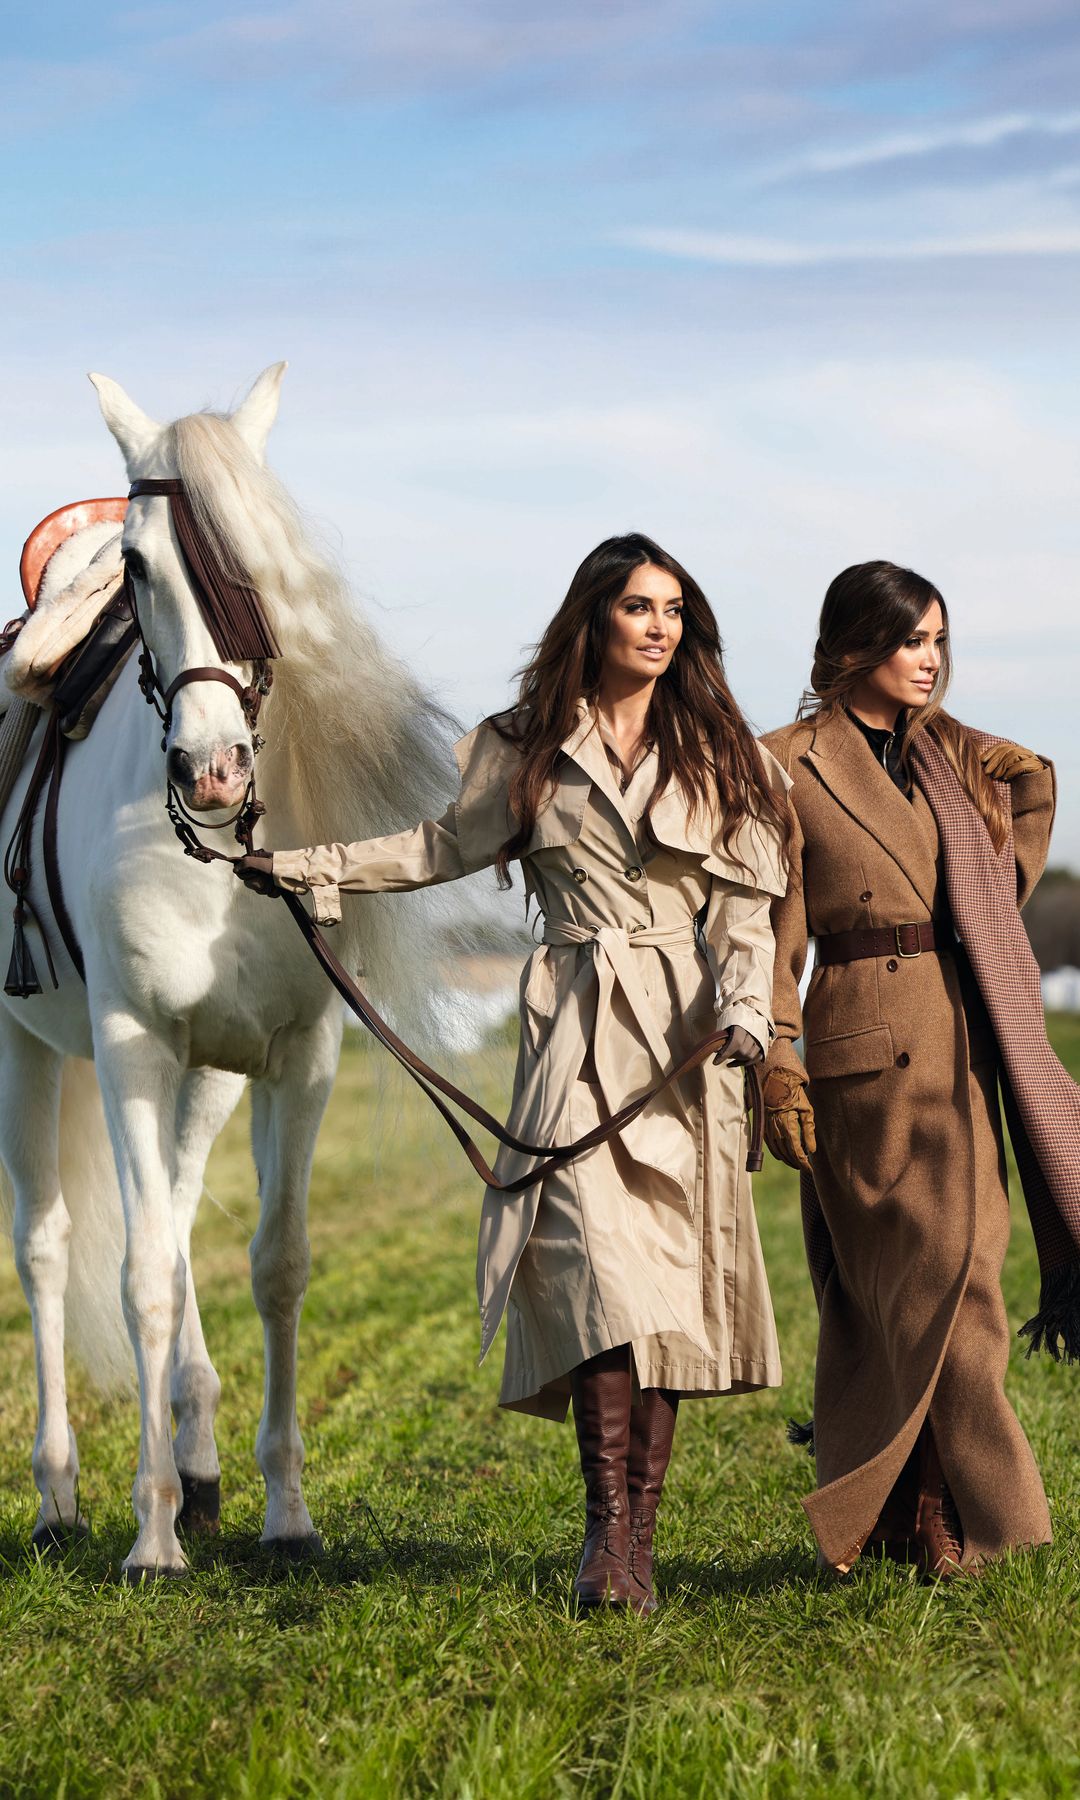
{"x": 867, "y": 896}
{"x": 634, "y": 873}
{"x": 902, "y": 1060}
{"x": 580, "y": 875}
{"x": 892, "y": 965}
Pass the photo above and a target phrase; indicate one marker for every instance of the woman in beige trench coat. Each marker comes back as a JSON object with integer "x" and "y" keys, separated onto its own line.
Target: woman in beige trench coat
{"x": 896, "y": 1109}
{"x": 634, "y": 1275}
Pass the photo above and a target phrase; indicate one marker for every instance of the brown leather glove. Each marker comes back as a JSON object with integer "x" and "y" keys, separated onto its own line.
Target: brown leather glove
{"x": 741, "y": 1049}
{"x": 789, "y": 1119}
{"x": 256, "y": 871}
{"x": 1004, "y": 762}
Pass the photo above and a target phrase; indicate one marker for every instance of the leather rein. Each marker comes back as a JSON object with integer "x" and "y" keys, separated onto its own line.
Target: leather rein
{"x": 241, "y": 634}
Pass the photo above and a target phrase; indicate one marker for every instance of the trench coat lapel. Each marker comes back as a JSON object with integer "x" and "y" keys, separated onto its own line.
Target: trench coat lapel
{"x": 585, "y": 746}
{"x": 841, "y": 758}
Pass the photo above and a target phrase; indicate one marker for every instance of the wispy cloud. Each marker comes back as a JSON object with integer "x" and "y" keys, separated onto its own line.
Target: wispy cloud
{"x": 411, "y": 46}
{"x": 739, "y": 251}
{"x": 900, "y": 146}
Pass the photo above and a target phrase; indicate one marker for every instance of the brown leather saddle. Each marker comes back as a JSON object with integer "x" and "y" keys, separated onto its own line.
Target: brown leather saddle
{"x": 88, "y": 672}
{"x": 79, "y": 686}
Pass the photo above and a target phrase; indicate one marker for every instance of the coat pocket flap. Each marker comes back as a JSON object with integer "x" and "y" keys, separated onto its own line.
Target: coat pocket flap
{"x": 855, "y": 1053}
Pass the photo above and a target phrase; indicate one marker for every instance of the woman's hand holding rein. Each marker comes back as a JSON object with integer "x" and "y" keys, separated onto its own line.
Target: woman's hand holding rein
{"x": 741, "y": 1049}
{"x": 256, "y": 871}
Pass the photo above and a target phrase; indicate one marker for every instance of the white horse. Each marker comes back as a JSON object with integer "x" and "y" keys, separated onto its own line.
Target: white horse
{"x": 192, "y": 982}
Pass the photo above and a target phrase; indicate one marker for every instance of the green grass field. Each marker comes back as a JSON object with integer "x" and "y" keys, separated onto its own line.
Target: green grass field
{"x": 435, "y": 1650}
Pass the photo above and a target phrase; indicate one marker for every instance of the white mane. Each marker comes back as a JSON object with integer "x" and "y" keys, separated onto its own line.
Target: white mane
{"x": 352, "y": 738}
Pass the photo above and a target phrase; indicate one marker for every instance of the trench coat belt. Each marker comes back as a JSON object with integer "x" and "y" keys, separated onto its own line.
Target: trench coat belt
{"x": 615, "y": 943}
{"x": 618, "y": 937}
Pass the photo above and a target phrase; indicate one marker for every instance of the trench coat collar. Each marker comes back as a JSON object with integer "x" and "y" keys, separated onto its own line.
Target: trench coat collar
{"x": 586, "y": 747}
{"x": 839, "y": 754}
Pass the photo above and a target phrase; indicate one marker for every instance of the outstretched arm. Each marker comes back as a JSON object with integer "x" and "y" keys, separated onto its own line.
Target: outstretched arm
{"x": 465, "y": 839}
{"x": 423, "y": 857}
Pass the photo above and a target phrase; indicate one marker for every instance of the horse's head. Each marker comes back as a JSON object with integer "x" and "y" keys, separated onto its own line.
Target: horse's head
{"x": 208, "y": 742}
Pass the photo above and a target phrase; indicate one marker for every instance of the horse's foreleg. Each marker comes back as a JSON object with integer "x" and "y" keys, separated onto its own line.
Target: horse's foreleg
{"x": 140, "y": 1083}
{"x": 29, "y": 1127}
{"x": 286, "y": 1113}
{"x": 207, "y": 1099}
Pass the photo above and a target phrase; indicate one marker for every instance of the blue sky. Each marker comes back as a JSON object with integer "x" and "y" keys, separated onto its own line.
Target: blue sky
{"x": 786, "y": 286}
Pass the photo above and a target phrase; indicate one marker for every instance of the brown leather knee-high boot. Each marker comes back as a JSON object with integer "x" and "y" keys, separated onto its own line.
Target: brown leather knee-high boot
{"x": 601, "y": 1391}
{"x": 652, "y": 1429}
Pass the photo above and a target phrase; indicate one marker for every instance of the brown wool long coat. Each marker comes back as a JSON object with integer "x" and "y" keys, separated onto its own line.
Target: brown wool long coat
{"x": 649, "y": 1239}
{"x": 909, "y": 1175}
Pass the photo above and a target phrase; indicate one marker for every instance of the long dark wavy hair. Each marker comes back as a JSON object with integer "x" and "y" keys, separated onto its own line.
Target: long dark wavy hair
{"x": 701, "y": 737}
{"x": 869, "y": 611}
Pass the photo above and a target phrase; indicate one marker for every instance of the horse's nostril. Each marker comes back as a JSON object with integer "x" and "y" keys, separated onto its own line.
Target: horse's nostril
{"x": 180, "y": 768}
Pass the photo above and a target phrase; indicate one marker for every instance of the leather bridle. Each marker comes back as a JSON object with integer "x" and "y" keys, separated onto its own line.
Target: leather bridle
{"x": 234, "y": 638}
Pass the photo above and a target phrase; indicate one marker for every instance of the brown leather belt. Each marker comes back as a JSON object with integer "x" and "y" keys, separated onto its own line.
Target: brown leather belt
{"x": 904, "y": 941}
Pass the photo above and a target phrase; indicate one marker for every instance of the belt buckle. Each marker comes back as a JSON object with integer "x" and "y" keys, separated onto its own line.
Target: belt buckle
{"x": 908, "y": 955}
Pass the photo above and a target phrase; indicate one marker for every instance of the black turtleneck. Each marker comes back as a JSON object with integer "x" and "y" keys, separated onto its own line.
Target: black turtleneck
{"x": 886, "y": 748}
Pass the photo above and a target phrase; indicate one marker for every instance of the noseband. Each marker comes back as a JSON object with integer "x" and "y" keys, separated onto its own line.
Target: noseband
{"x": 234, "y": 616}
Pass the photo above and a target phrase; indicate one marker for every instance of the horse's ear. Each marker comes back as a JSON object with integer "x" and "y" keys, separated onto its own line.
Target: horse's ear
{"x": 133, "y": 430}
{"x": 255, "y": 415}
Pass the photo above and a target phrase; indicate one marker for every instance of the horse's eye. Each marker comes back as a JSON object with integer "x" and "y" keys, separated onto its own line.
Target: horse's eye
{"x": 135, "y": 565}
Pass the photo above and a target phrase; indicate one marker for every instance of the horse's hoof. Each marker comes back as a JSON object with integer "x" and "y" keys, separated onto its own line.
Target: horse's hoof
{"x": 51, "y": 1542}
{"x": 142, "y": 1574}
{"x": 295, "y": 1550}
{"x": 200, "y": 1515}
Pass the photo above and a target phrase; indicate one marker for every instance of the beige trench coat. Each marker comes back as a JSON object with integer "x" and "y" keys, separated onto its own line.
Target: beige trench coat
{"x": 907, "y": 1229}
{"x": 649, "y": 1239}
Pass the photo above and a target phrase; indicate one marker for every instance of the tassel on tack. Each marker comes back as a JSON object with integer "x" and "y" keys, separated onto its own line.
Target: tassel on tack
{"x": 802, "y": 1436}
{"x": 1056, "y": 1326}
{"x": 22, "y": 977}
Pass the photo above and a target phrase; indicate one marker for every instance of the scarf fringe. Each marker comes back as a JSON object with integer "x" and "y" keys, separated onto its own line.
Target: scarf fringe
{"x": 802, "y": 1436}
{"x": 1055, "y": 1328}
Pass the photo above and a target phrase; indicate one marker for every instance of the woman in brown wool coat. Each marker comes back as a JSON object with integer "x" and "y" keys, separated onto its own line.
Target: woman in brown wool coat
{"x": 913, "y": 832}
{"x": 631, "y": 790}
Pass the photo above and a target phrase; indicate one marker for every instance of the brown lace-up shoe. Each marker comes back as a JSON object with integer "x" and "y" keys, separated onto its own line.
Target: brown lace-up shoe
{"x": 939, "y": 1535}
{"x": 601, "y": 1394}
{"x": 894, "y": 1534}
{"x": 652, "y": 1429}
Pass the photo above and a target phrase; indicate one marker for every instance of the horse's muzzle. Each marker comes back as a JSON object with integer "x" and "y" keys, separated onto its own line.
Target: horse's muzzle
{"x": 209, "y": 783}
